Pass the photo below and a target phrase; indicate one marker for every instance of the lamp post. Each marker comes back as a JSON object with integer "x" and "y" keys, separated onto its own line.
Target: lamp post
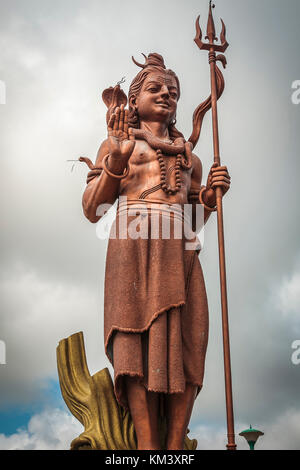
{"x": 251, "y": 435}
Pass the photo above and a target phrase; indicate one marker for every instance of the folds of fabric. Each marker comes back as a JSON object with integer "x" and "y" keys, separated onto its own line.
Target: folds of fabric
{"x": 155, "y": 309}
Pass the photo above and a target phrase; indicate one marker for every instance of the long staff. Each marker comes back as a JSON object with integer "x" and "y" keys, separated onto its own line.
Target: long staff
{"x": 212, "y": 58}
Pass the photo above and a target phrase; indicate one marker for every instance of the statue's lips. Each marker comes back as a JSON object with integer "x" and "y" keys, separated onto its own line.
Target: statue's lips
{"x": 163, "y": 105}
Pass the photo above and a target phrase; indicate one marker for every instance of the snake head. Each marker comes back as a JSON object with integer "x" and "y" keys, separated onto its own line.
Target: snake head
{"x": 113, "y": 97}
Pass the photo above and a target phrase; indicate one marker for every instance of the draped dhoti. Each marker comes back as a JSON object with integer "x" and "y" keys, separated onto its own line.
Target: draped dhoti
{"x": 155, "y": 307}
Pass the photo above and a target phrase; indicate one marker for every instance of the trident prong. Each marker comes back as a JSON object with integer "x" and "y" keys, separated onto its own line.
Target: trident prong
{"x": 210, "y": 35}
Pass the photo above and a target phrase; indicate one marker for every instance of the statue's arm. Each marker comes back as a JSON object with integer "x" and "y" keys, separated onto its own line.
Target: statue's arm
{"x": 104, "y": 183}
{"x": 217, "y": 177}
{"x": 196, "y": 181}
{"x": 101, "y": 189}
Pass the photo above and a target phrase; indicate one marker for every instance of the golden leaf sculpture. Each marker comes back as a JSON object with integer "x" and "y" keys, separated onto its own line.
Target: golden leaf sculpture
{"x": 91, "y": 399}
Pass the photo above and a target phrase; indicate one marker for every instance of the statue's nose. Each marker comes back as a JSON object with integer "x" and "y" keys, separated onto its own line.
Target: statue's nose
{"x": 165, "y": 92}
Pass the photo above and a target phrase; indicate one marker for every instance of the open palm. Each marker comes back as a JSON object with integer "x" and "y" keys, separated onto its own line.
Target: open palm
{"x": 120, "y": 139}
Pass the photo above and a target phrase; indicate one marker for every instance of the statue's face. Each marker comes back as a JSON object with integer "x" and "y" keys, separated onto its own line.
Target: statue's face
{"x": 157, "y": 100}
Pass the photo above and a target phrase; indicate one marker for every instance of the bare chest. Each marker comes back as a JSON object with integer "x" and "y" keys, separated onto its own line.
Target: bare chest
{"x": 146, "y": 173}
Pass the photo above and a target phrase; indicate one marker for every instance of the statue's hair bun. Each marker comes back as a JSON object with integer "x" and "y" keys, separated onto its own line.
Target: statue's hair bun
{"x": 152, "y": 59}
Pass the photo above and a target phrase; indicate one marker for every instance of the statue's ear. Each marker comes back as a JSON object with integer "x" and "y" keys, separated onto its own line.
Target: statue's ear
{"x": 132, "y": 101}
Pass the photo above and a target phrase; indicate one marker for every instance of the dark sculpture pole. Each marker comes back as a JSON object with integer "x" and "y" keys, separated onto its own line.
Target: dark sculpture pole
{"x": 212, "y": 48}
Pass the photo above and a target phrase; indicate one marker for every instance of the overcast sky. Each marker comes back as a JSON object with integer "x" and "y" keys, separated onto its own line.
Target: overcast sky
{"x": 56, "y": 58}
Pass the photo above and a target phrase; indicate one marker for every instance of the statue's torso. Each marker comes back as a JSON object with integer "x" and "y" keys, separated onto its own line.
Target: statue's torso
{"x": 145, "y": 174}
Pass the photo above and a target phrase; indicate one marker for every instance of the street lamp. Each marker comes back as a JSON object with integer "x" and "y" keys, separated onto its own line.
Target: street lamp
{"x": 251, "y": 435}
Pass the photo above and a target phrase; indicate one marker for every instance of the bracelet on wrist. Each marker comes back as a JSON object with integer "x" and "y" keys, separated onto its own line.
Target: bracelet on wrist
{"x": 114, "y": 175}
{"x": 210, "y": 209}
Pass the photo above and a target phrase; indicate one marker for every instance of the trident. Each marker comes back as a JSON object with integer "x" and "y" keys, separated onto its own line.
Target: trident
{"x": 212, "y": 58}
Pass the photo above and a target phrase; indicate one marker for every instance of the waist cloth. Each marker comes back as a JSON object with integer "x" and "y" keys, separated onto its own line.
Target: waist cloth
{"x": 155, "y": 304}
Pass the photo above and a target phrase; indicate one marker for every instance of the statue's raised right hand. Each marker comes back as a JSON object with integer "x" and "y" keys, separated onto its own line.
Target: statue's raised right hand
{"x": 121, "y": 140}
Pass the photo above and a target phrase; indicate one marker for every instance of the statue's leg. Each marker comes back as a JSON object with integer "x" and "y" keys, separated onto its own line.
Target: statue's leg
{"x": 143, "y": 407}
{"x": 179, "y": 410}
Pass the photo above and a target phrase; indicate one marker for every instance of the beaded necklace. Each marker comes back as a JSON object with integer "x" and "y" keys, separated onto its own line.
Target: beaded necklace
{"x": 165, "y": 185}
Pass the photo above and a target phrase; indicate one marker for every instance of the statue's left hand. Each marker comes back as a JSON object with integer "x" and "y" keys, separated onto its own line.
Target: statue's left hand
{"x": 218, "y": 177}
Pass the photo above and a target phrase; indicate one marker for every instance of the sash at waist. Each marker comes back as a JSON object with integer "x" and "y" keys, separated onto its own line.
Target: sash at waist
{"x": 142, "y": 207}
